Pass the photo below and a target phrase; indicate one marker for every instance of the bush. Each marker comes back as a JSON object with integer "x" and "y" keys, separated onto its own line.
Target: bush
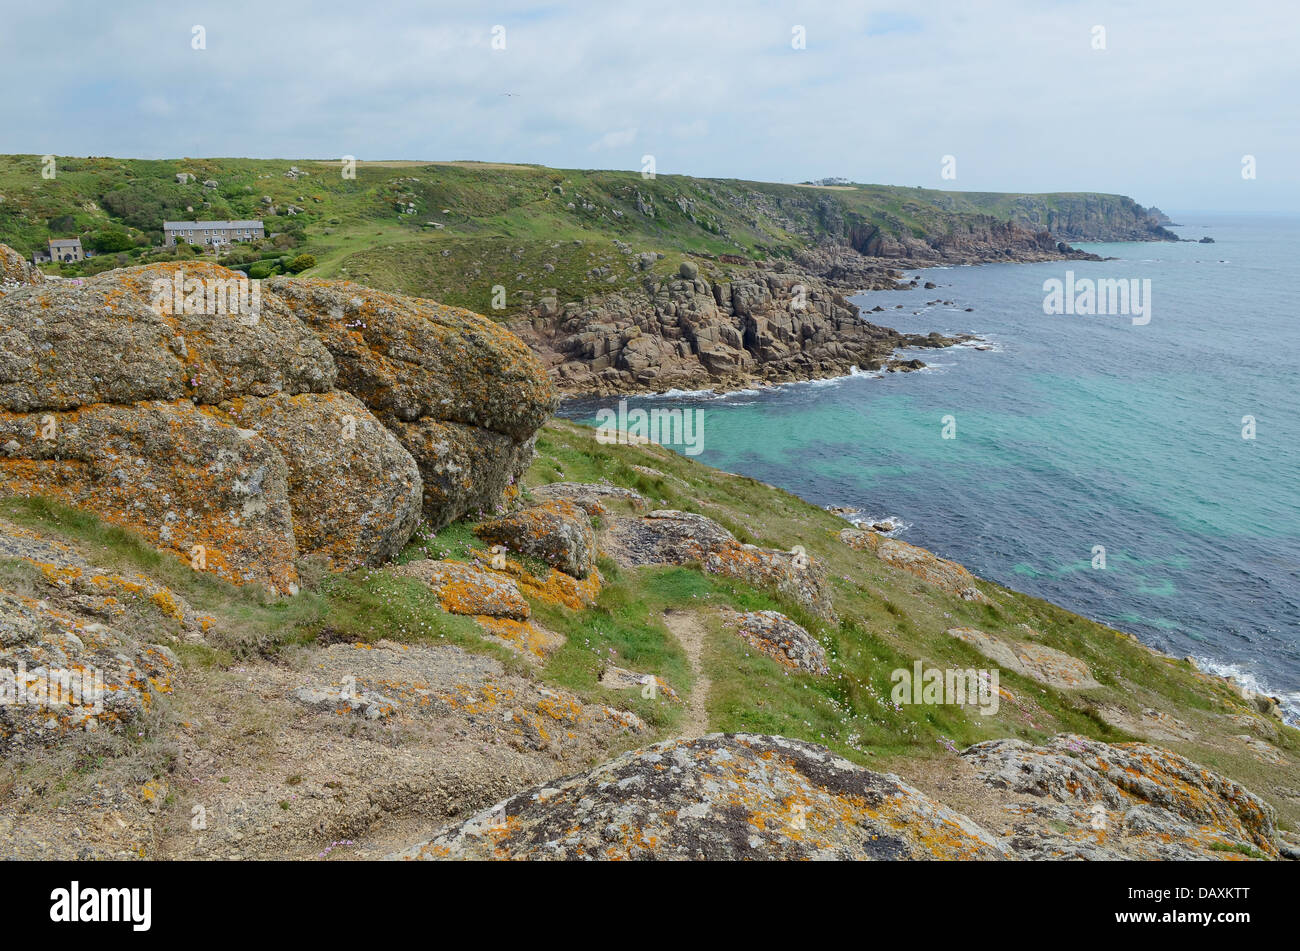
{"x": 260, "y": 270}
{"x": 107, "y": 242}
{"x": 301, "y": 263}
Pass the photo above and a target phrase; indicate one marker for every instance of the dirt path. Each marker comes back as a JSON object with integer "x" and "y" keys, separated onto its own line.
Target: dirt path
{"x": 688, "y": 627}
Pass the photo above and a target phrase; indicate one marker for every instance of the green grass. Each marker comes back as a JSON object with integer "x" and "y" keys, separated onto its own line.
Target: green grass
{"x": 888, "y": 620}
{"x": 531, "y": 230}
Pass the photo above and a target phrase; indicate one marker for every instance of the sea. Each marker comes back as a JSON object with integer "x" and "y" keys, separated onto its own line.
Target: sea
{"x": 1140, "y": 469}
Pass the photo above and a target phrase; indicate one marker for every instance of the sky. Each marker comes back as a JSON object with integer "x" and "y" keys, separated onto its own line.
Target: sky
{"x": 1006, "y": 96}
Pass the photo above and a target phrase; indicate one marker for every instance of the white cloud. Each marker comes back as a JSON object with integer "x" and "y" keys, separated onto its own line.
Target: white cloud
{"x": 1014, "y": 91}
{"x": 615, "y": 140}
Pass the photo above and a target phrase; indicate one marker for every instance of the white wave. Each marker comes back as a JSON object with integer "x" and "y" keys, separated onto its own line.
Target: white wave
{"x": 1249, "y": 680}
{"x": 862, "y": 520}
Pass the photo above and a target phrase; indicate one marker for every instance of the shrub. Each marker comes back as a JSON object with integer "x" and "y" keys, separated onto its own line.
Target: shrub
{"x": 107, "y": 242}
{"x": 301, "y": 263}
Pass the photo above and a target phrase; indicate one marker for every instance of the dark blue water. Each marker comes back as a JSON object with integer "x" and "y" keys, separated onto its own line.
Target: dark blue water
{"x": 1076, "y": 432}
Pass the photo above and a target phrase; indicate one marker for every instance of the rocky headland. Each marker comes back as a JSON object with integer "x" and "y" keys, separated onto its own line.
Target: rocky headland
{"x": 729, "y": 322}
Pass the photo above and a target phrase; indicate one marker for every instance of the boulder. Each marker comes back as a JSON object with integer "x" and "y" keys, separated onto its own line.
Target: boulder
{"x": 670, "y": 537}
{"x": 780, "y": 638}
{"x": 558, "y": 532}
{"x": 943, "y": 574}
{"x": 462, "y": 394}
{"x": 184, "y": 401}
{"x": 355, "y": 493}
{"x": 213, "y": 494}
{"x": 719, "y": 797}
{"x": 65, "y": 345}
{"x": 1079, "y": 798}
{"x": 16, "y": 271}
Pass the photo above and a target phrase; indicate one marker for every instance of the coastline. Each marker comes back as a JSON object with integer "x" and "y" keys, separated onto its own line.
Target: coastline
{"x": 742, "y": 328}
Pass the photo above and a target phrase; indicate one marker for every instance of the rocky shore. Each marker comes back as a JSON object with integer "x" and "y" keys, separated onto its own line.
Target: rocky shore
{"x": 727, "y": 322}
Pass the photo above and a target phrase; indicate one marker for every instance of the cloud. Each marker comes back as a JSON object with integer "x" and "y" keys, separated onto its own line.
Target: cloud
{"x": 1014, "y": 91}
{"x": 615, "y": 140}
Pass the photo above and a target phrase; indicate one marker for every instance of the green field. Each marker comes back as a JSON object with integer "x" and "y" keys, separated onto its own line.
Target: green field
{"x": 454, "y": 231}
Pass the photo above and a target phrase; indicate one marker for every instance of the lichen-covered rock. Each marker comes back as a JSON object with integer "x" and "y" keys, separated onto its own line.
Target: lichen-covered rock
{"x": 557, "y": 532}
{"x": 103, "y": 340}
{"x": 718, "y": 797}
{"x": 354, "y": 491}
{"x": 775, "y": 635}
{"x": 528, "y": 638}
{"x": 1080, "y": 798}
{"x": 465, "y": 470}
{"x": 1045, "y": 664}
{"x": 74, "y": 644}
{"x": 213, "y": 494}
{"x": 16, "y": 272}
{"x": 462, "y": 394}
{"x": 946, "y": 575}
{"x": 468, "y": 589}
{"x": 670, "y": 537}
{"x": 61, "y": 671}
{"x": 106, "y": 595}
{"x": 440, "y": 422}
{"x": 590, "y": 496}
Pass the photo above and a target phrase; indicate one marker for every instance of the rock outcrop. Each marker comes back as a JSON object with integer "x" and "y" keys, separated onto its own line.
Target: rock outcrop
{"x": 16, "y": 272}
{"x": 76, "y": 650}
{"x": 240, "y": 426}
{"x": 462, "y": 394}
{"x": 1078, "y": 798}
{"x": 557, "y": 532}
{"x": 201, "y": 489}
{"x": 775, "y": 635}
{"x": 591, "y": 496}
{"x": 718, "y": 797}
{"x": 354, "y": 491}
{"x": 930, "y": 568}
{"x": 1035, "y": 661}
{"x": 758, "y": 326}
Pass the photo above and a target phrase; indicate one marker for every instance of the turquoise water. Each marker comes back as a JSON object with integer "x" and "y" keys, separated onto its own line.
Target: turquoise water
{"x": 1076, "y": 432}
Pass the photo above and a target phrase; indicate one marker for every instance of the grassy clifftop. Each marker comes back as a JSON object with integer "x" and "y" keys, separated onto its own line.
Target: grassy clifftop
{"x": 675, "y": 621}
{"x": 455, "y": 230}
